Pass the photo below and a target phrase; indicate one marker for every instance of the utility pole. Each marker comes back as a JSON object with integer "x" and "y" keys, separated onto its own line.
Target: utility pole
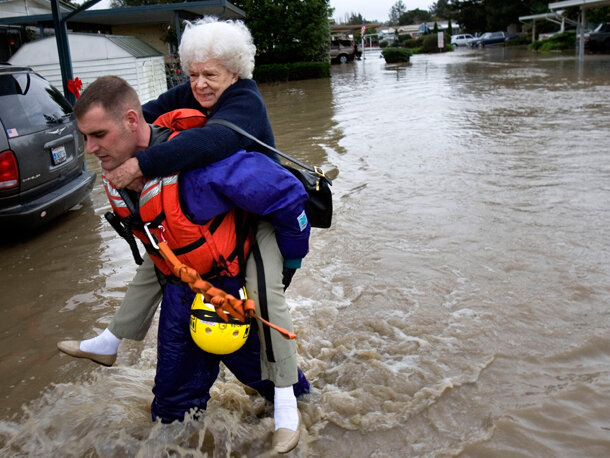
{"x": 63, "y": 46}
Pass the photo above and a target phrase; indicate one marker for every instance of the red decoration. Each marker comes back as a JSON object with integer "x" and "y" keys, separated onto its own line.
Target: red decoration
{"x": 75, "y": 86}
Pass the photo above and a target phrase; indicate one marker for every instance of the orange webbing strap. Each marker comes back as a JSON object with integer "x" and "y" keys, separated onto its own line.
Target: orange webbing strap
{"x": 223, "y": 302}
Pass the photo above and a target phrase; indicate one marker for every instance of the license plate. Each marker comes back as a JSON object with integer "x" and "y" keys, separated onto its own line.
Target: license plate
{"x": 59, "y": 154}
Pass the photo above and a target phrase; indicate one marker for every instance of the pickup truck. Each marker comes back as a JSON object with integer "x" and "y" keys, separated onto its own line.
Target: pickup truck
{"x": 490, "y": 38}
{"x": 599, "y": 38}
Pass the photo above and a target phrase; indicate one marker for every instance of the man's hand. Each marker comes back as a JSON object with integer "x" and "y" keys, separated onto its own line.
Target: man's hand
{"x": 124, "y": 174}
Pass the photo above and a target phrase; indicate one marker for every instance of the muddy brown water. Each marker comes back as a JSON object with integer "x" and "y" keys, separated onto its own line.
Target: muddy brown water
{"x": 459, "y": 305}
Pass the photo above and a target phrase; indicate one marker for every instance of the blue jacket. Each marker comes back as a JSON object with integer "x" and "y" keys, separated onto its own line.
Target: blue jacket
{"x": 241, "y": 103}
{"x": 257, "y": 184}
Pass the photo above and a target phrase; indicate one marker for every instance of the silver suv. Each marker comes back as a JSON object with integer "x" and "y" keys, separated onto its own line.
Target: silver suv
{"x": 342, "y": 51}
{"x": 42, "y": 158}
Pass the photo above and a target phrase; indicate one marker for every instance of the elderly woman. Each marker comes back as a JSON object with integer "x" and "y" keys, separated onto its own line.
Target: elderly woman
{"x": 219, "y": 59}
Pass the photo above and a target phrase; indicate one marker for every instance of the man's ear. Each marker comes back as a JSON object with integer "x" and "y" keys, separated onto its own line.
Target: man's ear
{"x": 132, "y": 120}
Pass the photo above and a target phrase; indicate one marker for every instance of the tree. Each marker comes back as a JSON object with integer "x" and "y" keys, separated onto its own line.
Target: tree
{"x": 491, "y": 15}
{"x": 353, "y": 19}
{"x": 396, "y": 11}
{"x": 470, "y": 15}
{"x": 441, "y": 9}
{"x": 501, "y": 13}
{"x": 594, "y": 15}
{"x": 601, "y": 14}
{"x": 414, "y": 17}
{"x": 302, "y": 35}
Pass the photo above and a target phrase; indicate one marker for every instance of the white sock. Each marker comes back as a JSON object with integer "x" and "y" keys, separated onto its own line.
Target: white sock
{"x": 104, "y": 344}
{"x": 286, "y": 414}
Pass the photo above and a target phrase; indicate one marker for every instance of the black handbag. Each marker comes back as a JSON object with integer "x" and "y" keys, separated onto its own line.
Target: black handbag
{"x": 319, "y": 206}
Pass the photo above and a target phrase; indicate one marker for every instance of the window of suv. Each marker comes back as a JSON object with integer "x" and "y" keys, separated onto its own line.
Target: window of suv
{"x": 43, "y": 105}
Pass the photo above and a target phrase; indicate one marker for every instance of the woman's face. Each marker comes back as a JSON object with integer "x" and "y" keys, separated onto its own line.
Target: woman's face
{"x": 209, "y": 80}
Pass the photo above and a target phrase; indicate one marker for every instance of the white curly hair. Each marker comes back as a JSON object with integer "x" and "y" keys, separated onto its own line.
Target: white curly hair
{"x": 229, "y": 42}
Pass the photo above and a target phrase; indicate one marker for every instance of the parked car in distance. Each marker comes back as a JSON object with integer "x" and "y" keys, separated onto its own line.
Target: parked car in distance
{"x": 490, "y": 38}
{"x": 462, "y": 39}
{"x": 599, "y": 38}
{"x": 342, "y": 51}
{"x": 42, "y": 154}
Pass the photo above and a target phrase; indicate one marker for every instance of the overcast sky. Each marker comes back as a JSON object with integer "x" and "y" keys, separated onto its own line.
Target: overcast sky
{"x": 374, "y": 9}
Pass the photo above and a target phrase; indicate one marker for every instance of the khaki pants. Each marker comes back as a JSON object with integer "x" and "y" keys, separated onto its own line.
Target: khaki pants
{"x": 278, "y": 355}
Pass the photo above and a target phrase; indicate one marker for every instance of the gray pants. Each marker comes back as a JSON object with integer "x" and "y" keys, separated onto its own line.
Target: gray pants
{"x": 278, "y": 355}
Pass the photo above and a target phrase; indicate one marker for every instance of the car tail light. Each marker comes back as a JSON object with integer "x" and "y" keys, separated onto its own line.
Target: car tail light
{"x": 9, "y": 171}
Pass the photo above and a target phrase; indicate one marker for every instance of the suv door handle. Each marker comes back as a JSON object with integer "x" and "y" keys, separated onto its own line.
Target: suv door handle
{"x": 59, "y": 141}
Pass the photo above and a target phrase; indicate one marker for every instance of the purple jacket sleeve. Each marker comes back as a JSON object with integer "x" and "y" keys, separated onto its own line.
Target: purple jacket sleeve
{"x": 255, "y": 183}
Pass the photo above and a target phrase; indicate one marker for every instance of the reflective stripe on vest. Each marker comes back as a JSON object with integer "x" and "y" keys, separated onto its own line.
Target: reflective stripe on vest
{"x": 209, "y": 248}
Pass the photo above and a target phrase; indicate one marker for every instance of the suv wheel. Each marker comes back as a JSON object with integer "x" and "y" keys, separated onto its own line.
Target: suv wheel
{"x": 343, "y": 58}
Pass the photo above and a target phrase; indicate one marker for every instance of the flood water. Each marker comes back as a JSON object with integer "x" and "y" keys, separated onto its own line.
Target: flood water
{"x": 458, "y": 306}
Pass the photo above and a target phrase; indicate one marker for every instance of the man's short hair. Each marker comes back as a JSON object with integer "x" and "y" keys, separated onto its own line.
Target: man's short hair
{"x": 113, "y": 93}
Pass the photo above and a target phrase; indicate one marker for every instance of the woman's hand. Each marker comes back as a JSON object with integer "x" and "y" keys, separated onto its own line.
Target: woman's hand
{"x": 124, "y": 174}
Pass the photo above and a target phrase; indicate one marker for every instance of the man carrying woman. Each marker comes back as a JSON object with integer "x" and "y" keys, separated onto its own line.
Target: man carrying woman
{"x": 219, "y": 59}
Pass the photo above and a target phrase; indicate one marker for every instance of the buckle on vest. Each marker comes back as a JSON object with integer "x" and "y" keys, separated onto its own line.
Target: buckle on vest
{"x": 151, "y": 237}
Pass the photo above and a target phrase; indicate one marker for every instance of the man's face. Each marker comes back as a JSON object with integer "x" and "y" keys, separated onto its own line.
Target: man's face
{"x": 209, "y": 80}
{"x": 112, "y": 141}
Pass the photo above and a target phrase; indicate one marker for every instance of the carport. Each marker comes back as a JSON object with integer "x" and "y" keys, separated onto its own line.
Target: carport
{"x": 555, "y": 17}
{"x": 584, "y": 6}
{"x": 170, "y": 13}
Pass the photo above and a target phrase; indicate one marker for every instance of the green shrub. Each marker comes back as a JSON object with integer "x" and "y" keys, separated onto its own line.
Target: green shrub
{"x": 520, "y": 40}
{"x": 565, "y": 40}
{"x": 291, "y": 72}
{"x": 383, "y": 44}
{"x": 393, "y": 55}
{"x": 430, "y": 44}
{"x": 414, "y": 42}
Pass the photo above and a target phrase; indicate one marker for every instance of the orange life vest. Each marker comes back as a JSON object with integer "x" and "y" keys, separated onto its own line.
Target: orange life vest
{"x": 217, "y": 247}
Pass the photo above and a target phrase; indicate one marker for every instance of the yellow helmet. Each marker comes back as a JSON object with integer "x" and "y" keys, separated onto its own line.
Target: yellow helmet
{"x": 213, "y": 335}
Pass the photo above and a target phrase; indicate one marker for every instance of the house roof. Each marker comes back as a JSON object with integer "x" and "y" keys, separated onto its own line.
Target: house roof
{"x": 582, "y": 3}
{"x": 351, "y": 27}
{"x": 145, "y": 14}
{"x": 553, "y": 15}
{"x": 13, "y": 7}
{"x": 133, "y": 45}
{"x": 84, "y": 47}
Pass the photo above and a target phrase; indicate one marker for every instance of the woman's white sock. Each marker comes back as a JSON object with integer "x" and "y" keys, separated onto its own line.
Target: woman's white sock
{"x": 286, "y": 414}
{"x": 104, "y": 344}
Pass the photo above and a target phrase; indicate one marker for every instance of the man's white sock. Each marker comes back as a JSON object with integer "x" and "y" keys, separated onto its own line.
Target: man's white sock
{"x": 286, "y": 414}
{"x": 104, "y": 344}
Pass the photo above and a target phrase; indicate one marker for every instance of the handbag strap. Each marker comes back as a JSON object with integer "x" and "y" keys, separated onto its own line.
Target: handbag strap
{"x": 230, "y": 125}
